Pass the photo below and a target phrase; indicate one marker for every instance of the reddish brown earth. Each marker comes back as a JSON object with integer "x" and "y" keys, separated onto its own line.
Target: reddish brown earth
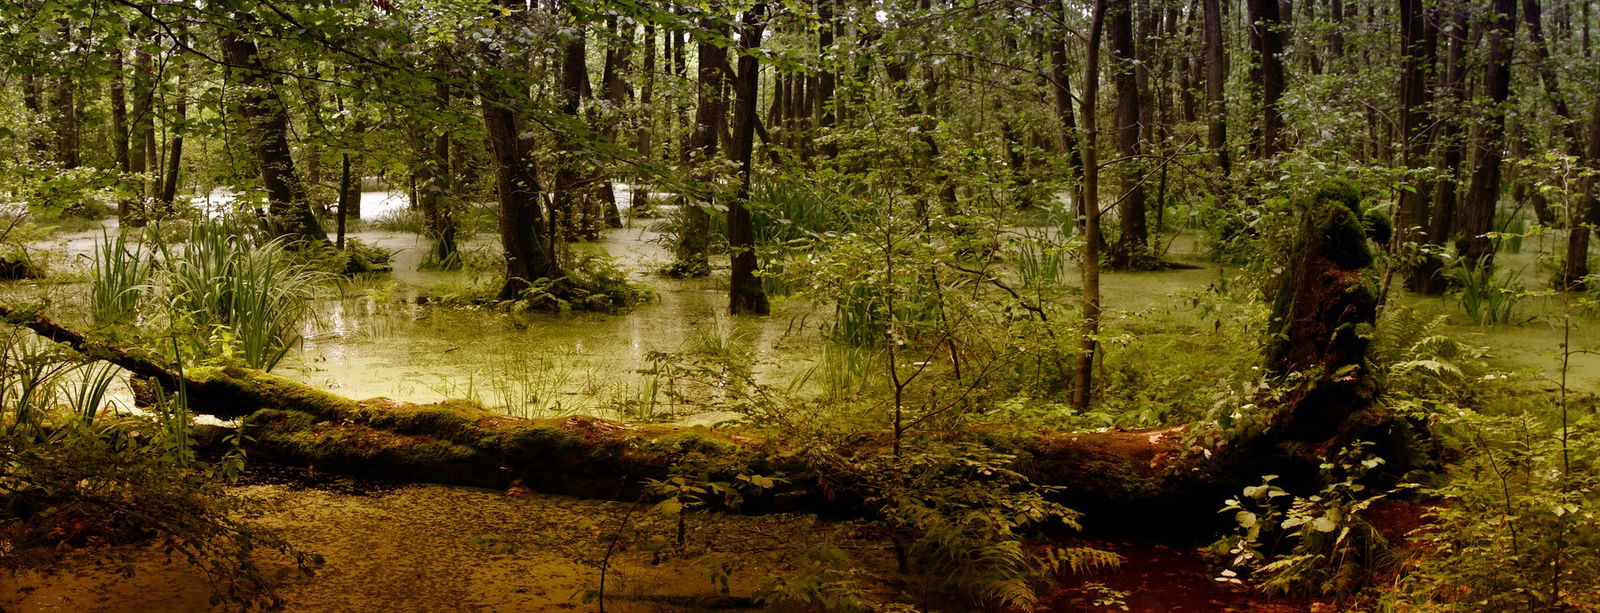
{"x": 1161, "y": 578}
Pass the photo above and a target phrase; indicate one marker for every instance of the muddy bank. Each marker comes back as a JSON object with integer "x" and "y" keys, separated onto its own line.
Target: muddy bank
{"x": 425, "y": 548}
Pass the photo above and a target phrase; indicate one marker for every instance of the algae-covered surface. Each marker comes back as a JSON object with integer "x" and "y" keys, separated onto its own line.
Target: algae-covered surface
{"x": 372, "y": 338}
{"x": 392, "y": 547}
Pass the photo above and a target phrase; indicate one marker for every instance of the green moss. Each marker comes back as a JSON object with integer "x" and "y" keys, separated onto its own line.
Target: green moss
{"x": 1338, "y": 191}
{"x": 1342, "y": 237}
{"x": 536, "y": 440}
{"x": 426, "y": 453}
{"x": 1379, "y": 228}
{"x": 248, "y": 389}
{"x": 453, "y": 420}
{"x": 282, "y": 421}
{"x": 693, "y": 440}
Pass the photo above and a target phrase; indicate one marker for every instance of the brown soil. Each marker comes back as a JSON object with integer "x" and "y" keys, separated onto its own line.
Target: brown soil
{"x": 398, "y": 548}
{"x": 1158, "y": 578}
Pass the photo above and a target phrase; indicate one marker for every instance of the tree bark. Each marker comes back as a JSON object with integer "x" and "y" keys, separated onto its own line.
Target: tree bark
{"x": 1416, "y": 64}
{"x": 266, "y": 124}
{"x": 119, "y": 116}
{"x": 523, "y": 228}
{"x": 1132, "y": 248}
{"x": 1216, "y": 80}
{"x": 1089, "y": 330}
{"x": 573, "y": 212}
{"x": 1446, "y": 196}
{"x": 178, "y": 126}
{"x": 710, "y": 108}
{"x": 1266, "y": 39}
{"x": 438, "y": 186}
{"x": 745, "y": 294}
{"x": 644, "y": 138}
{"x": 141, "y": 131}
{"x": 1484, "y": 189}
{"x": 619, "y": 50}
{"x": 1575, "y": 267}
{"x": 822, "y": 102}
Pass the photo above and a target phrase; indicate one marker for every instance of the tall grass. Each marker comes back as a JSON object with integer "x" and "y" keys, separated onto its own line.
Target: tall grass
{"x": 1041, "y": 263}
{"x": 251, "y": 297}
{"x": 118, "y": 278}
{"x": 29, "y": 372}
{"x": 1486, "y": 298}
{"x": 843, "y": 371}
{"x": 86, "y": 391}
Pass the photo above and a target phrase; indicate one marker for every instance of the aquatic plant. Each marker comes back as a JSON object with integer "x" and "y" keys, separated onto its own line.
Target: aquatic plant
{"x": 250, "y": 297}
{"x": 119, "y": 275}
{"x": 1488, "y": 298}
{"x": 29, "y": 371}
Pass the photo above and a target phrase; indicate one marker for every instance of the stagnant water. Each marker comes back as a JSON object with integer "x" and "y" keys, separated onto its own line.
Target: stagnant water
{"x": 376, "y": 340}
{"x": 370, "y": 338}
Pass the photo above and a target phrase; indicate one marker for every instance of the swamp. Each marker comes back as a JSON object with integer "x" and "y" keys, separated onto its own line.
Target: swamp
{"x": 799, "y": 305}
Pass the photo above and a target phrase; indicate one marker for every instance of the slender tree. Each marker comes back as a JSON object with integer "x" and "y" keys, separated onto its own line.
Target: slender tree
{"x": 694, "y": 232}
{"x": 1474, "y": 246}
{"x": 1089, "y": 332}
{"x": 1132, "y": 247}
{"x": 266, "y": 129}
{"x": 745, "y": 294}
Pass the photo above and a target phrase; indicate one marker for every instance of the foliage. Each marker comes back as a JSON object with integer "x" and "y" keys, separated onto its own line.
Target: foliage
{"x": 76, "y": 475}
{"x": 119, "y": 277}
{"x": 1317, "y": 544}
{"x": 248, "y": 298}
{"x": 592, "y": 282}
{"x": 1486, "y": 297}
{"x": 1514, "y": 526}
{"x": 957, "y": 513}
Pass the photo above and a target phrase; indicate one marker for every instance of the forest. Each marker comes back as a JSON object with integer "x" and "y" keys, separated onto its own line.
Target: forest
{"x": 799, "y": 305}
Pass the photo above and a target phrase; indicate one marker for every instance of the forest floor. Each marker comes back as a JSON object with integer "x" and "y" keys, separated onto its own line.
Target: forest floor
{"x": 398, "y": 547}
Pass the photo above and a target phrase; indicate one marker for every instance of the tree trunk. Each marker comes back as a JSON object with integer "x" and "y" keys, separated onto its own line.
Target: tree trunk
{"x": 33, "y": 101}
{"x": 1484, "y": 190}
{"x": 66, "y": 111}
{"x": 618, "y": 52}
{"x": 1266, "y": 39}
{"x": 745, "y": 294}
{"x": 694, "y": 232}
{"x": 1132, "y": 248}
{"x": 1442, "y": 223}
{"x": 822, "y": 96}
{"x": 266, "y": 124}
{"x": 573, "y": 212}
{"x": 1416, "y": 63}
{"x": 119, "y": 118}
{"x": 342, "y": 208}
{"x": 1089, "y": 330}
{"x": 1575, "y": 265}
{"x": 1336, "y": 35}
{"x": 169, "y": 182}
{"x": 1586, "y": 217}
{"x": 1216, "y": 77}
{"x": 437, "y": 189}
{"x": 141, "y": 131}
{"x": 523, "y": 229}
{"x": 645, "y": 136}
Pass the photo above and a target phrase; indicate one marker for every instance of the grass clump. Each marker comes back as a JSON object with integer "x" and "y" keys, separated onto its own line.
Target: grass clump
{"x": 1488, "y": 298}
{"x": 120, "y": 274}
{"x": 77, "y": 475}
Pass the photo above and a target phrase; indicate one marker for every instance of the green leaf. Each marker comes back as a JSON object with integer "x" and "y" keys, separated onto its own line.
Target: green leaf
{"x": 670, "y": 506}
